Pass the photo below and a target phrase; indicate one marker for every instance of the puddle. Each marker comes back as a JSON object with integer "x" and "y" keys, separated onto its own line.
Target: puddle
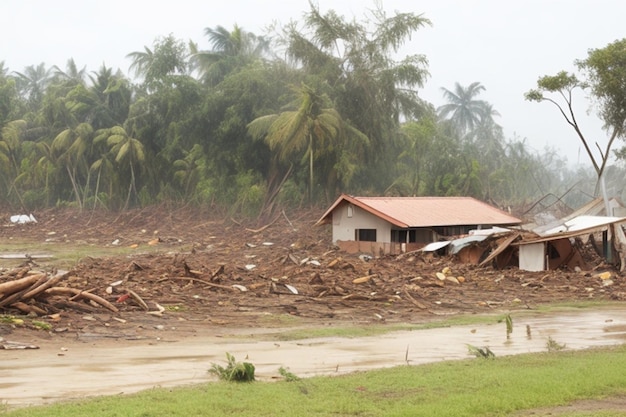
{"x": 42, "y": 376}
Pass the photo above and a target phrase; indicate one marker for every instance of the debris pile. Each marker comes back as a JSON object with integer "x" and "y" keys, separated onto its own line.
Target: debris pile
{"x": 226, "y": 274}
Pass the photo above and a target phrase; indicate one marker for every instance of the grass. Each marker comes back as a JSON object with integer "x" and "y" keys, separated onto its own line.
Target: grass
{"x": 468, "y": 388}
{"x": 380, "y": 329}
{"x": 66, "y": 256}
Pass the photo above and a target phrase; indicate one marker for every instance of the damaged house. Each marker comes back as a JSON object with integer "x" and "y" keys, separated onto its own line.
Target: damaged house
{"x": 557, "y": 244}
{"x": 394, "y": 225}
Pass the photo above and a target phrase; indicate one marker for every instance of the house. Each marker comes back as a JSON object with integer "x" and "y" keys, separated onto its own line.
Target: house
{"x": 393, "y": 225}
{"x": 554, "y": 244}
{"x": 556, "y": 247}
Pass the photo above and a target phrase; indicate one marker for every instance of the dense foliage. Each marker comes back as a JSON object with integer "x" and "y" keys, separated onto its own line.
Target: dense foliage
{"x": 255, "y": 123}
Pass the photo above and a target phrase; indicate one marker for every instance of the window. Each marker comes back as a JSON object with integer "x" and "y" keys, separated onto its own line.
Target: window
{"x": 365, "y": 235}
{"x": 403, "y": 236}
{"x": 350, "y": 210}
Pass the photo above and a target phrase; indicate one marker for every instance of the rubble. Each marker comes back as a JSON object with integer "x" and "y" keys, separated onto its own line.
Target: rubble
{"x": 197, "y": 272}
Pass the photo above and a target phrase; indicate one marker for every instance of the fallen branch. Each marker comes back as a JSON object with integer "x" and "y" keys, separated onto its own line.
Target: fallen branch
{"x": 264, "y": 227}
{"x": 8, "y": 288}
{"x": 414, "y": 301}
{"x": 210, "y": 284}
{"x": 29, "y": 309}
{"x": 139, "y": 300}
{"x": 92, "y": 297}
{"x": 17, "y": 296}
{"x": 51, "y": 282}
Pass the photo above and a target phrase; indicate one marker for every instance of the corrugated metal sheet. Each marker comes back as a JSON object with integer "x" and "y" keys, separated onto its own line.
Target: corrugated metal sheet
{"x": 581, "y": 223}
{"x": 437, "y": 211}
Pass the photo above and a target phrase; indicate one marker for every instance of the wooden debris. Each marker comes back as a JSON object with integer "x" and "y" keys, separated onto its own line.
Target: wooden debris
{"x": 72, "y": 291}
{"x": 364, "y": 279}
{"x": 138, "y": 299}
{"x": 5, "y": 344}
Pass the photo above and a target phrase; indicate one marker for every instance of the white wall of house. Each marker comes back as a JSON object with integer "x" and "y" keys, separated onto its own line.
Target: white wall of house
{"x": 532, "y": 257}
{"x": 347, "y": 218}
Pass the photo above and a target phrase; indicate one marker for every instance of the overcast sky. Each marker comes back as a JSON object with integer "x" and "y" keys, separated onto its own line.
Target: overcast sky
{"x": 504, "y": 45}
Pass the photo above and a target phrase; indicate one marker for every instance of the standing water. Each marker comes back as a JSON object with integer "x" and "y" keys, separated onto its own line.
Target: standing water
{"x": 41, "y": 376}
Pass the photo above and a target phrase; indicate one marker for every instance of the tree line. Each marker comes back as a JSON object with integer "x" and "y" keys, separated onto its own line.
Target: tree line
{"x": 253, "y": 123}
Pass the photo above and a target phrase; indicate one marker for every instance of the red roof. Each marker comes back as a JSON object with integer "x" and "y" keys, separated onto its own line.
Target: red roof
{"x": 428, "y": 211}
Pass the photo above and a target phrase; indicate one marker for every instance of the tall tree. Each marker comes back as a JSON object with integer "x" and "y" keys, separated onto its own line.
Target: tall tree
{"x": 311, "y": 127}
{"x": 464, "y": 109}
{"x": 368, "y": 85}
{"x": 71, "y": 73}
{"x": 168, "y": 57}
{"x": 230, "y": 50}
{"x": 606, "y": 76}
{"x": 32, "y": 83}
{"x": 561, "y": 89}
{"x": 71, "y": 148}
{"x": 128, "y": 153}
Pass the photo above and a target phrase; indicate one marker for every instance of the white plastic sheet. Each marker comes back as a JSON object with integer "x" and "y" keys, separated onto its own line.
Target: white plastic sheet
{"x": 23, "y": 219}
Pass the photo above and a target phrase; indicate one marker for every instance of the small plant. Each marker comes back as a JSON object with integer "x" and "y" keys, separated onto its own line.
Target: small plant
{"x": 509, "y": 326}
{"x": 289, "y": 376}
{"x": 553, "y": 346}
{"x": 234, "y": 371}
{"x": 41, "y": 325}
{"x": 6, "y": 319}
{"x": 484, "y": 352}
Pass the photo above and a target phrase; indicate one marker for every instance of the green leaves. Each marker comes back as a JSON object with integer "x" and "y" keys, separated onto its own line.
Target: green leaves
{"x": 234, "y": 371}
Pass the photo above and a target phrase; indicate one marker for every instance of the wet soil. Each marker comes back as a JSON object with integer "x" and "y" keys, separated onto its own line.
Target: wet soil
{"x": 104, "y": 366}
{"x": 212, "y": 275}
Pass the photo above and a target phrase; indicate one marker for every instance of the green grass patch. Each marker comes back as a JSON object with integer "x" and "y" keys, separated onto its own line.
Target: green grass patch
{"x": 380, "y": 329}
{"x": 466, "y": 388}
{"x": 65, "y": 255}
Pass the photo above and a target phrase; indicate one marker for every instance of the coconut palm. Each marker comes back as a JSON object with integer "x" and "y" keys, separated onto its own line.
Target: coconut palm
{"x": 465, "y": 111}
{"x": 128, "y": 153}
{"x": 70, "y": 147}
{"x": 369, "y": 86}
{"x": 168, "y": 57}
{"x": 312, "y": 127}
{"x": 32, "y": 83}
{"x": 71, "y": 74}
{"x": 230, "y": 49}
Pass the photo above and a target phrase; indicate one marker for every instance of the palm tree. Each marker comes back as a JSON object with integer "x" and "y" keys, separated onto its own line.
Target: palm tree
{"x": 128, "y": 154}
{"x": 70, "y": 147}
{"x": 72, "y": 73}
{"x": 463, "y": 108}
{"x": 168, "y": 57}
{"x": 230, "y": 50}
{"x": 33, "y": 82}
{"x": 369, "y": 86}
{"x": 312, "y": 127}
{"x": 188, "y": 169}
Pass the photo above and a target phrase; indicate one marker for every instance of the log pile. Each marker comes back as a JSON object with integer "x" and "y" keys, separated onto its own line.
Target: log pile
{"x": 39, "y": 293}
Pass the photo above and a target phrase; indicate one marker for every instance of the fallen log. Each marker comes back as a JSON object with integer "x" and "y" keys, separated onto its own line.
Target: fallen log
{"x": 10, "y": 287}
{"x": 72, "y": 291}
{"x": 18, "y": 295}
{"x": 41, "y": 288}
{"x": 29, "y": 308}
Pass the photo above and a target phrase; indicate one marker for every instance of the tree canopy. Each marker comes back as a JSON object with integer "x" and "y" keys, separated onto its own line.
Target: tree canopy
{"x": 248, "y": 122}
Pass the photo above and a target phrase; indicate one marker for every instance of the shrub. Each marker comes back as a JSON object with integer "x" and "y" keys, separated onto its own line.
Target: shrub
{"x": 234, "y": 371}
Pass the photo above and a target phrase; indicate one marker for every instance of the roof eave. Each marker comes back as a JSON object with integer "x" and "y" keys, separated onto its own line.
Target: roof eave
{"x": 325, "y": 217}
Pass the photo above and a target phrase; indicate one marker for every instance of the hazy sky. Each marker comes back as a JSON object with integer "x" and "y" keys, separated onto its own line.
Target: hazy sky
{"x": 504, "y": 45}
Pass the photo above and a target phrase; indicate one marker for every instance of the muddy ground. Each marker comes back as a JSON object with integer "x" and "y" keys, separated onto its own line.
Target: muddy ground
{"x": 197, "y": 271}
